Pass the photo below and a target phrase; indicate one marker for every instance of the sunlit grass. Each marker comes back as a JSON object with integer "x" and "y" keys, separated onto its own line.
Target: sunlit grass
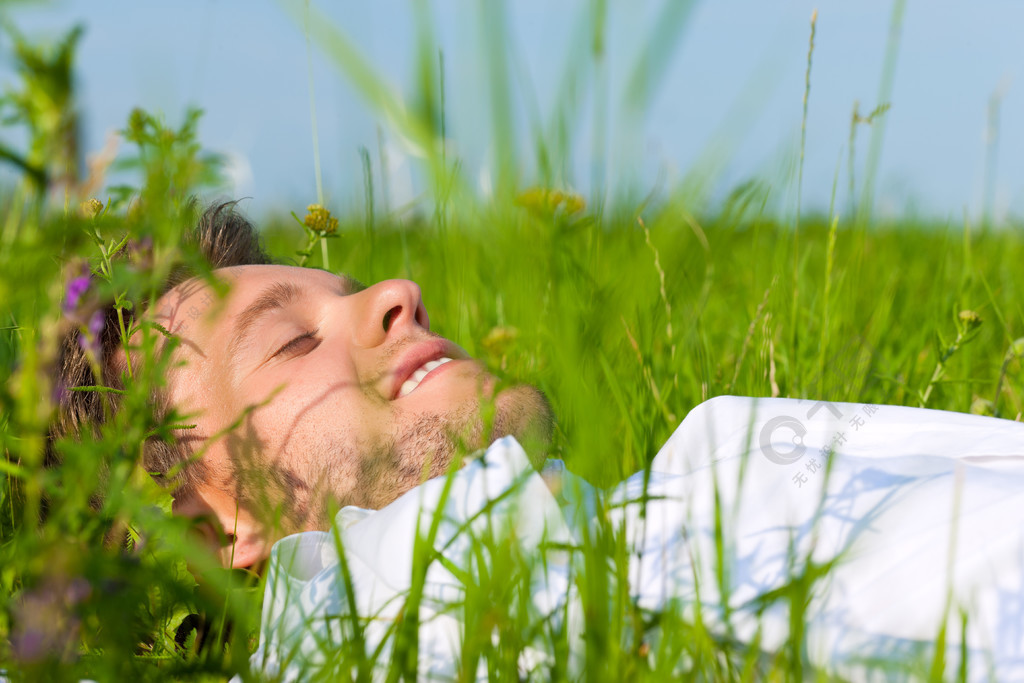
{"x": 626, "y": 314}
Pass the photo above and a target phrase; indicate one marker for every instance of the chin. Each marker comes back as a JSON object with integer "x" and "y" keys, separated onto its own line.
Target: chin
{"x": 523, "y": 411}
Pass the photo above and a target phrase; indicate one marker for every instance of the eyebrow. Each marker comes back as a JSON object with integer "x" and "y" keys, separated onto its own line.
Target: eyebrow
{"x": 274, "y": 298}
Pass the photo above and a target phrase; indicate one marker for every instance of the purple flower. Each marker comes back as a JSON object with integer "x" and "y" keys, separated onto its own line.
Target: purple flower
{"x": 46, "y": 623}
{"x": 89, "y": 339}
{"x": 96, "y": 322}
{"x": 140, "y": 245}
{"x": 76, "y": 288}
{"x": 60, "y": 392}
{"x": 140, "y": 253}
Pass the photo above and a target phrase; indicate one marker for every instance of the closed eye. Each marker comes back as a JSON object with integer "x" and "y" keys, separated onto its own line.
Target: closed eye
{"x": 303, "y": 343}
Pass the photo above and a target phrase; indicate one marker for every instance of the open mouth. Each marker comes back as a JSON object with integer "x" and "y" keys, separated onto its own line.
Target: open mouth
{"x": 419, "y": 374}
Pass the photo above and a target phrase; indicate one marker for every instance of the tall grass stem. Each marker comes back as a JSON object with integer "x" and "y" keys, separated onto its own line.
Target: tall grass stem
{"x": 795, "y": 322}
{"x": 884, "y": 96}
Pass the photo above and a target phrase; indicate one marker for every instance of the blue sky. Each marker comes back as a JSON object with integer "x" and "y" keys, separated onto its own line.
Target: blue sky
{"x": 732, "y": 84}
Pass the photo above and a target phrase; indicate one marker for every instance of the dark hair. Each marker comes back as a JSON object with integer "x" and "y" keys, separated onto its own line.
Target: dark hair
{"x": 223, "y": 238}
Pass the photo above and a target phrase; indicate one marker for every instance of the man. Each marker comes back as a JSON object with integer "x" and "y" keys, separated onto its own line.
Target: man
{"x": 345, "y": 397}
{"x": 305, "y": 389}
{"x": 854, "y": 534}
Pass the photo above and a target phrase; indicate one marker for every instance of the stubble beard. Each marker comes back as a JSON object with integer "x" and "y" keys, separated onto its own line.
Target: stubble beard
{"x": 427, "y": 448}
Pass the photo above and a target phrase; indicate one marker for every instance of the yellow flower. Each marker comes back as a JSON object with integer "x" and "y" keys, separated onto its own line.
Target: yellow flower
{"x": 319, "y": 219}
{"x": 544, "y": 202}
{"x": 981, "y": 406}
{"x": 91, "y": 208}
{"x": 499, "y": 339}
{"x": 498, "y": 342}
{"x": 574, "y": 204}
{"x": 969, "y": 319}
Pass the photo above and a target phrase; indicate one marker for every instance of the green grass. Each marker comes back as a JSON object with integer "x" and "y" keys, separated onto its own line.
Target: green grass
{"x": 626, "y": 313}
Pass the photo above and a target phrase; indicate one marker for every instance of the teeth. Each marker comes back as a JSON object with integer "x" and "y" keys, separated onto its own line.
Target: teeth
{"x": 414, "y": 381}
{"x": 407, "y": 386}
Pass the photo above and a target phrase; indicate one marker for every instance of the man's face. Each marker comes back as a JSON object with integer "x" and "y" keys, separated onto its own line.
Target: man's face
{"x": 305, "y": 386}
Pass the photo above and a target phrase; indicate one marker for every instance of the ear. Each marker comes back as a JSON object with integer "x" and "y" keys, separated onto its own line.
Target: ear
{"x": 229, "y": 529}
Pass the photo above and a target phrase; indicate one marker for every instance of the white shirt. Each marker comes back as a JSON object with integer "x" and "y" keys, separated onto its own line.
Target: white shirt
{"x": 921, "y": 510}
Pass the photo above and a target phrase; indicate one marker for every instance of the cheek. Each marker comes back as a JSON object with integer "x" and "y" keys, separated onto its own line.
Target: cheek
{"x": 303, "y": 415}
{"x": 200, "y": 398}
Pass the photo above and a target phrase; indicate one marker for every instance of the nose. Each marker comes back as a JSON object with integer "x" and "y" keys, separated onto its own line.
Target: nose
{"x": 390, "y": 308}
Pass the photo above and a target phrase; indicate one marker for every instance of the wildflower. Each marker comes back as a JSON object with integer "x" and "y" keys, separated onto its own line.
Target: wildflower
{"x": 91, "y": 208}
{"x": 59, "y": 393}
{"x": 543, "y": 202}
{"x": 497, "y": 343}
{"x": 89, "y": 338}
{"x": 969, "y": 319}
{"x": 76, "y": 288}
{"x": 499, "y": 339}
{"x": 137, "y": 246}
{"x": 137, "y": 122}
{"x": 319, "y": 220}
{"x": 981, "y": 406}
{"x": 96, "y": 323}
{"x": 140, "y": 253}
{"x": 574, "y": 204}
{"x": 46, "y": 622}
